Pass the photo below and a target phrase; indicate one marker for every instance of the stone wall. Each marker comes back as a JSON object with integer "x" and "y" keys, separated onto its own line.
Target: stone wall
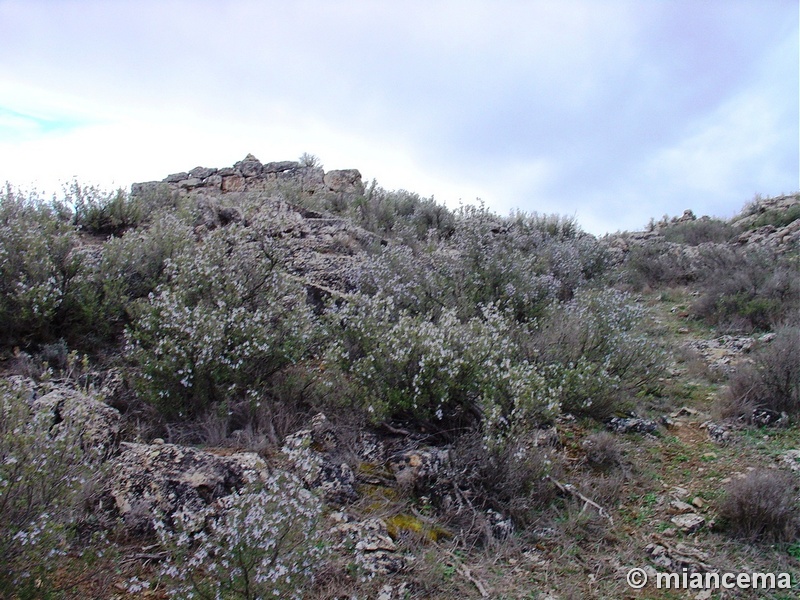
{"x": 250, "y": 174}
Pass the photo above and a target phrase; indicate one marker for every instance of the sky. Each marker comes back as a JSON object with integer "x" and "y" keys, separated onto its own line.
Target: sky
{"x": 609, "y": 111}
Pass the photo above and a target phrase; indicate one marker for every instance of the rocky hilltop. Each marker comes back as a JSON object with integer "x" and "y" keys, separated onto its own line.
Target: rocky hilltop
{"x": 250, "y": 175}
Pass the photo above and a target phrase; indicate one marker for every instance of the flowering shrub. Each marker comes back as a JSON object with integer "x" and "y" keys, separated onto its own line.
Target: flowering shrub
{"x": 594, "y": 347}
{"x": 408, "y": 366}
{"x": 225, "y": 319}
{"x": 37, "y": 267}
{"x": 521, "y": 264}
{"x": 43, "y": 470}
{"x": 263, "y": 545}
{"x": 134, "y": 264}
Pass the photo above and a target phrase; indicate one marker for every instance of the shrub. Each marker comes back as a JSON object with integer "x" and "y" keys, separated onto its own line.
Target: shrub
{"x": 602, "y": 451}
{"x": 43, "y": 470}
{"x": 223, "y": 321}
{"x": 440, "y": 372}
{"x": 747, "y": 289}
{"x": 657, "y": 263}
{"x": 264, "y": 545}
{"x": 511, "y": 480}
{"x": 37, "y": 270}
{"x": 520, "y": 264}
{"x": 100, "y": 212}
{"x": 700, "y": 231}
{"x": 133, "y": 265}
{"x": 777, "y": 218}
{"x": 771, "y": 381}
{"x": 761, "y": 507}
{"x": 593, "y": 349}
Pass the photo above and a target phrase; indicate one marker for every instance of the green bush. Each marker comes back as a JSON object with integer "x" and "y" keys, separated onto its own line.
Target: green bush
{"x": 594, "y": 350}
{"x": 747, "y": 289}
{"x": 771, "y": 381}
{"x": 520, "y": 264}
{"x": 224, "y": 320}
{"x": 762, "y": 507}
{"x": 38, "y": 270}
{"x": 133, "y": 265}
{"x": 777, "y": 218}
{"x": 441, "y": 372}
{"x": 99, "y": 212}
{"x": 700, "y": 231}
{"x": 657, "y": 263}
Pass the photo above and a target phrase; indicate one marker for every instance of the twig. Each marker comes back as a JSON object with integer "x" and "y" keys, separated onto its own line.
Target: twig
{"x": 395, "y": 430}
{"x": 462, "y": 568}
{"x": 568, "y": 488}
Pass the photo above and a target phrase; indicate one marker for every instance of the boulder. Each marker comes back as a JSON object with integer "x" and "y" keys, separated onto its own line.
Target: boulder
{"x": 369, "y": 540}
{"x": 632, "y": 425}
{"x": 347, "y": 181}
{"x": 278, "y": 167}
{"x": 202, "y": 172}
{"x": 176, "y": 177}
{"x": 689, "y": 522}
{"x": 157, "y": 483}
{"x": 418, "y": 468}
{"x": 250, "y": 166}
{"x": 99, "y": 423}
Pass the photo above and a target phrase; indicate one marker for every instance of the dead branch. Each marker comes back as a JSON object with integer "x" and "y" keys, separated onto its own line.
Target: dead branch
{"x": 568, "y": 488}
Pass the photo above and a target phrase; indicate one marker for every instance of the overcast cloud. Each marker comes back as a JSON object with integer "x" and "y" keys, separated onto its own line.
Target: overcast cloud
{"x": 614, "y": 112}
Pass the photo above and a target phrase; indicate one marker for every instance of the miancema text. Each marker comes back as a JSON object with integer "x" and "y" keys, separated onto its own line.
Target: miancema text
{"x": 742, "y": 581}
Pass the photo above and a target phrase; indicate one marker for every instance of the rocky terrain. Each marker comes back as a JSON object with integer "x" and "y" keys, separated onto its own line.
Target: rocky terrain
{"x": 399, "y": 402}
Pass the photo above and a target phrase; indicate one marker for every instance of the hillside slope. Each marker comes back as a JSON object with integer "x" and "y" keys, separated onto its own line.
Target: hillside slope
{"x": 270, "y": 380}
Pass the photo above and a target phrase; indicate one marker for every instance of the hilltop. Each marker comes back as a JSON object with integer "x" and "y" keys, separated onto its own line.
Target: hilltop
{"x": 269, "y": 380}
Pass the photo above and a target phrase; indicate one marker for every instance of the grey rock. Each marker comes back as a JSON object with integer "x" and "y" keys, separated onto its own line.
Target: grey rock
{"x": 250, "y": 166}
{"x": 176, "y": 177}
{"x": 369, "y": 540}
{"x": 152, "y": 483}
{"x": 190, "y": 184}
{"x": 202, "y": 172}
{"x": 344, "y": 181}
{"x": 99, "y": 423}
{"x": 310, "y": 452}
{"x": 719, "y": 434}
{"x": 688, "y": 523}
{"x": 632, "y": 425}
{"x": 417, "y": 468}
{"x": 280, "y": 166}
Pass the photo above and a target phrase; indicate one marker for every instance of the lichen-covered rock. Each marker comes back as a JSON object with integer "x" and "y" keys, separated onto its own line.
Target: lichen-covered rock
{"x": 152, "y": 483}
{"x": 311, "y": 454}
{"x": 346, "y": 181}
{"x": 689, "y": 522}
{"x": 99, "y": 423}
{"x": 374, "y": 549}
{"x": 416, "y": 468}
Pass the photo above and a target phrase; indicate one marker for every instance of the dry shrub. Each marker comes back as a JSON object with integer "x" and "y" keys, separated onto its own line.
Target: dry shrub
{"x": 602, "y": 451}
{"x": 771, "y": 382}
{"x": 511, "y": 480}
{"x": 746, "y": 289}
{"x": 762, "y": 507}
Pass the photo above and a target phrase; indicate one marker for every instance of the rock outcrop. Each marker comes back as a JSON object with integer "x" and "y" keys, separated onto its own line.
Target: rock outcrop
{"x": 250, "y": 174}
{"x": 320, "y": 248}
